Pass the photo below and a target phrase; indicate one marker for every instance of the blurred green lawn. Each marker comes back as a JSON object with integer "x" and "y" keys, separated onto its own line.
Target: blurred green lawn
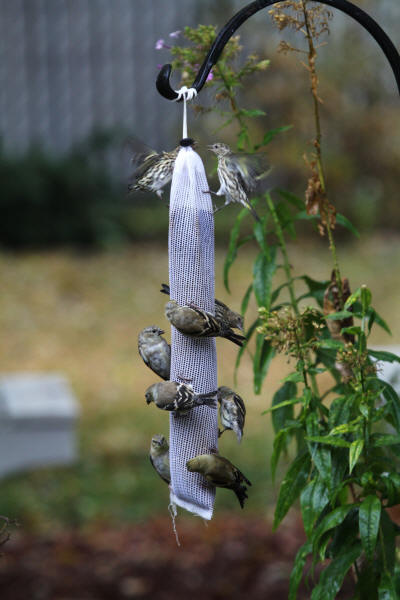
{"x": 80, "y": 314}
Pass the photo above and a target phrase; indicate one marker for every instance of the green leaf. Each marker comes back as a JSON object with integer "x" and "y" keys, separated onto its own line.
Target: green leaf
{"x": 295, "y": 377}
{"x": 291, "y": 486}
{"x": 328, "y": 439}
{"x": 294, "y": 200}
{"x": 320, "y": 454}
{"x": 262, "y": 359}
{"x": 279, "y": 445}
{"x": 263, "y": 272}
{"x": 316, "y": 289}
{"x": 351, "y": 299}
{"x": 330, "y": 344}
{"x": 277, "y": 291}
{"x": 356, "y": 448}
{"x": 261, "y": 237}
{"x": 366, "y": 298}
{"x": 384, "y": 356}
{"x": 232, "y": 248}
{"x": 249, "y": 333}
{"x": 340, "y": 411}
{"x": 344, "y": 221}
{"x": 383, "y": 439}
{"x": 246, "y": 298}
{"x": 378, "y": 320}
{"x": 298, "y": 567}
{"x": 387, "y": 548}
{"x": 313, "y": 500}
{"x": 275, "y": 408}
{"x": 392, "y": 483}
{"x": 330, "y": 521}
{"x": 332, "y": 577}
{"x": 392, "y": 398}
{"x": 285, "y": 219}
{"x": 338, "y": 316}
{"x": 387, "y": 587}
{"x": 254, "y": 112}
{"x": 369, "y": 515}
{"x": 271, "y": 134}
{"x": 282, "y": 405}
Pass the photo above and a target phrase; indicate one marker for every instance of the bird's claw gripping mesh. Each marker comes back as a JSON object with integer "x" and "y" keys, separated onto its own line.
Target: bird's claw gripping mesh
{"x": 191, "y": 277}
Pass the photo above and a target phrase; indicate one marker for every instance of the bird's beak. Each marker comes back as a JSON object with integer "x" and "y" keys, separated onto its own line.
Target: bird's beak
{"x": 162, "y": 331}
{"x": 148, "y": 400}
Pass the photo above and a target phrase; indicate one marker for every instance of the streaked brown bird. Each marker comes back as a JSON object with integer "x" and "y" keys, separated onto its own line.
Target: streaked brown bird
{"x": 155, "y": 350}
{"x": 177, "y": 397}
{"x": 153, "y": 170}
{"x": 198, "y": 323}
{"x": 239, "y": 174}
{"x": 222, "y": 311}
{"x": 232, "y": 411}
{"x": 220, "y": 472}
{"x": 159, "y": 456}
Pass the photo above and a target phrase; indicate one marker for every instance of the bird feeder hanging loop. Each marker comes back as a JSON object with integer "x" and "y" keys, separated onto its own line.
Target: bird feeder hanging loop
{"x": 163, "y": 84}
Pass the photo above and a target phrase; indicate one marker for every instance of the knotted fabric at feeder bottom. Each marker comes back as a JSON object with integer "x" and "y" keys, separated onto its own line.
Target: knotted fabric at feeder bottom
{"x": 191, "y": 277}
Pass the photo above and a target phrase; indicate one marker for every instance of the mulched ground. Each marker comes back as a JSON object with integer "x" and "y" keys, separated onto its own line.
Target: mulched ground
{"x": 230, "y": 558}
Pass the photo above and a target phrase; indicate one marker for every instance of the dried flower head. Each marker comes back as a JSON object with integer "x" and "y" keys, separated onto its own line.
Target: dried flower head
{"x": 312, "y": 19}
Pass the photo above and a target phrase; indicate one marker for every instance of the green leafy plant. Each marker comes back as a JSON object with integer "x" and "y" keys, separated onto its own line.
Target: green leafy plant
{"x": 345, "y": 440}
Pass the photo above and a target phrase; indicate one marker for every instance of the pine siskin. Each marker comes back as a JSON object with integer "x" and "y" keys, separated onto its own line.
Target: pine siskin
{"x": 153, "y": 170}
{"x": 221, "y": 310}
{"x": 177, "y": 397}
{"x": 198, "y": 323}
{"x": 239, "y": 174}
{"x": 232, "y": 411}
{"x": 159, "y": 456}
{"x": 155, "y": 351}
{"x": 219, "y": 471}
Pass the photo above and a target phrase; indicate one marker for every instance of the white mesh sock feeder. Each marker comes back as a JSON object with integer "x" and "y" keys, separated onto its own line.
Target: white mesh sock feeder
{"x": 191, "y": 267}
{"x": 191, "y": 277}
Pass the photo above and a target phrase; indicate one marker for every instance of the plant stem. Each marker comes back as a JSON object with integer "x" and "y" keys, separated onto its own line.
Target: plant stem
{"x": 282, "y": 245}
{"x": 312, "y": 55}
{"x": 235, "y": 109}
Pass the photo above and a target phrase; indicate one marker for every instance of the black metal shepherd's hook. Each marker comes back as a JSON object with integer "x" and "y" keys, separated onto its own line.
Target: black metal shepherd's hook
{"x": 165, "y": 89}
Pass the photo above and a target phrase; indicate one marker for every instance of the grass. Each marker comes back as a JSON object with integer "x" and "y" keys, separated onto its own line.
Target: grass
{"x": 80, "y": 315}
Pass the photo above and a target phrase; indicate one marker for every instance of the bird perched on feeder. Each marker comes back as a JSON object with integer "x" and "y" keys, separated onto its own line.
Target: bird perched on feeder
{"x": 232, "y": 411}
{"x": 155, "y": 350}
{"x": 198, "y": 323}
{"x": 177, "y": 397}
{"x": 222, "y": 312}
{"x": 153, "y": 170}
{"x": 219, "y": 471}
{"x": 239, "y": 174}
{"x": 159, "y": 456}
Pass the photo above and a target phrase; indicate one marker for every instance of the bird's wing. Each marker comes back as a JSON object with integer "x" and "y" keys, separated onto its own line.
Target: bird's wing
{"x": 210, "y": 323}
{"x": 154, "y": 467}
{"x": 240, "y": 404}
{"x": 249, "y": 168}
{"x": 143, "y": 356}
{"x": 143, "y": 162}
{"x": 240, "y": 477}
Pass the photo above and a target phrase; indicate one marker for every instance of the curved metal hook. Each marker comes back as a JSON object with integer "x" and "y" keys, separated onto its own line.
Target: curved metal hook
{"x": 164, "y": 87}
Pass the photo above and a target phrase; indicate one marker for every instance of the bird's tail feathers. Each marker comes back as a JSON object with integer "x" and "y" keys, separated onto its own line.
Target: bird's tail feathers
{"x": 238, "y": 432}
{"x": 206, "y": 401}
{"x": 236, "y": 338}
{"x": 165, "y": 289}
{"x": 241, "y": 493}
{"x": 253, "y": 212}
